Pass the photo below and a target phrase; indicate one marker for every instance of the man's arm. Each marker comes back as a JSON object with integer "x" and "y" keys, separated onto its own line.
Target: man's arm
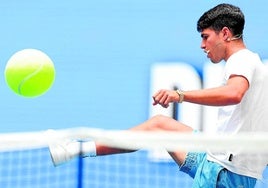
{"x": 229, "y": 94}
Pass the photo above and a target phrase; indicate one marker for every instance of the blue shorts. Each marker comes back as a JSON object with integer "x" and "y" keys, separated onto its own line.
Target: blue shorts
{"x": 207, "y": 174}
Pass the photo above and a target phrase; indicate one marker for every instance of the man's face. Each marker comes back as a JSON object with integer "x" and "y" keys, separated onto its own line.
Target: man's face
{"x": 213, "y": 44}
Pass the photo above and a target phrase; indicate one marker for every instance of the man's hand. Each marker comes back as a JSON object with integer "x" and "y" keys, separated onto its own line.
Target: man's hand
{"x": 164, "y": 97}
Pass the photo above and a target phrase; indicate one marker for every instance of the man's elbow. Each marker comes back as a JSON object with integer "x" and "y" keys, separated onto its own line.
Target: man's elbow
{"x": 236, "y": 97}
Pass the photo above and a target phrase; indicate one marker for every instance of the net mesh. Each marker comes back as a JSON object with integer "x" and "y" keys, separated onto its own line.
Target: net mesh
{"x": 33, "y": 168}
{"x": 30, "y": 166}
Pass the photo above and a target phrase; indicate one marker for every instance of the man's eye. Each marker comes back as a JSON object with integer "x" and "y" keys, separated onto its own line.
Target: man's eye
{"x": 204, "y": 37}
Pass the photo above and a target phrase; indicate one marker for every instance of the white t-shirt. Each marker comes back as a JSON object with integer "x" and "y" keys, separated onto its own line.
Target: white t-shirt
{"x": 250, "y": 115}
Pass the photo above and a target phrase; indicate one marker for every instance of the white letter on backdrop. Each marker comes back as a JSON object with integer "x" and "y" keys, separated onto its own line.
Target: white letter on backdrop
{"x": 169, "y": 76}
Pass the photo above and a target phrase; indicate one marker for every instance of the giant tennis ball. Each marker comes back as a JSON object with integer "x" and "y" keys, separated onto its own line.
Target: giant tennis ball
{"x": 30, "y": 73}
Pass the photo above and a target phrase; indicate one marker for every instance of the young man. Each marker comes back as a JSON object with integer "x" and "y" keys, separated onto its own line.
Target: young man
{"x": 241, "y": 98}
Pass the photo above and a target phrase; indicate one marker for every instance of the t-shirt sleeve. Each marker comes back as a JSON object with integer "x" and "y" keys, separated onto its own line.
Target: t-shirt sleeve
{"x": 242, "y": 66}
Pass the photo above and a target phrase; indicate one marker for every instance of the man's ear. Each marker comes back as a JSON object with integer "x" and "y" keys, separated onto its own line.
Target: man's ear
{"x": 226, "y": 33}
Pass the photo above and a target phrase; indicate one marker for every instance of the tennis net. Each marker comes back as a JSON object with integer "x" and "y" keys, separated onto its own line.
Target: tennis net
{"x": 25, "y": 159}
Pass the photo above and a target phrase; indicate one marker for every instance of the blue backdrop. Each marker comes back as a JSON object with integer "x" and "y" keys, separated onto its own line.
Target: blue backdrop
{"x": 103, "y": 51}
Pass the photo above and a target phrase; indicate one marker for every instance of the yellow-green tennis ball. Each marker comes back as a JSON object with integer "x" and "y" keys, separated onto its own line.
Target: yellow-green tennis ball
{"x": 30, "y": 72}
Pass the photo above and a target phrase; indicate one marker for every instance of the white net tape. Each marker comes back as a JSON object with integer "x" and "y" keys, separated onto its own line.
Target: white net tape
{"x": 134, "y": 140}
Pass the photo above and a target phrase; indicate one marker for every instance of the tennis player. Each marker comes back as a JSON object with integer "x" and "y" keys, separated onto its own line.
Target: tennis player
{"x": 241, "y": 98}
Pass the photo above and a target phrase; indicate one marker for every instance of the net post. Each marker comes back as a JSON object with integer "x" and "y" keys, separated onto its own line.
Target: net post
{"x": 175, "y": 107}
{"x": 80, "y": 166}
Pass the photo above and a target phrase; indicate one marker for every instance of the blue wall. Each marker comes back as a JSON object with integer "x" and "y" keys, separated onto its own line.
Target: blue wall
{"x": 102, "y": 51}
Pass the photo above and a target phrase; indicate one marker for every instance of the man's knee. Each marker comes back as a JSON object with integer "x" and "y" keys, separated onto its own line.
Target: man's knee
{"x": 158, "y": 122}
{"x": 165, "y": 123}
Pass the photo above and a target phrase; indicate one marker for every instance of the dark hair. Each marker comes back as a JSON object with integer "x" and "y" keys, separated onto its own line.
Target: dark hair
{"x": 223, "y": 15}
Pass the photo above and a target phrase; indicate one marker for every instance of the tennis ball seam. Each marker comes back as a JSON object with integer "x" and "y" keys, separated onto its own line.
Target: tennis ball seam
{"x": 29, "y": 76}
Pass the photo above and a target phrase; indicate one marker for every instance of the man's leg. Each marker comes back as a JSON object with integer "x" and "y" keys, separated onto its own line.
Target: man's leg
{"x": 156, "y": 123}
{"x": 64, "y": 152}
